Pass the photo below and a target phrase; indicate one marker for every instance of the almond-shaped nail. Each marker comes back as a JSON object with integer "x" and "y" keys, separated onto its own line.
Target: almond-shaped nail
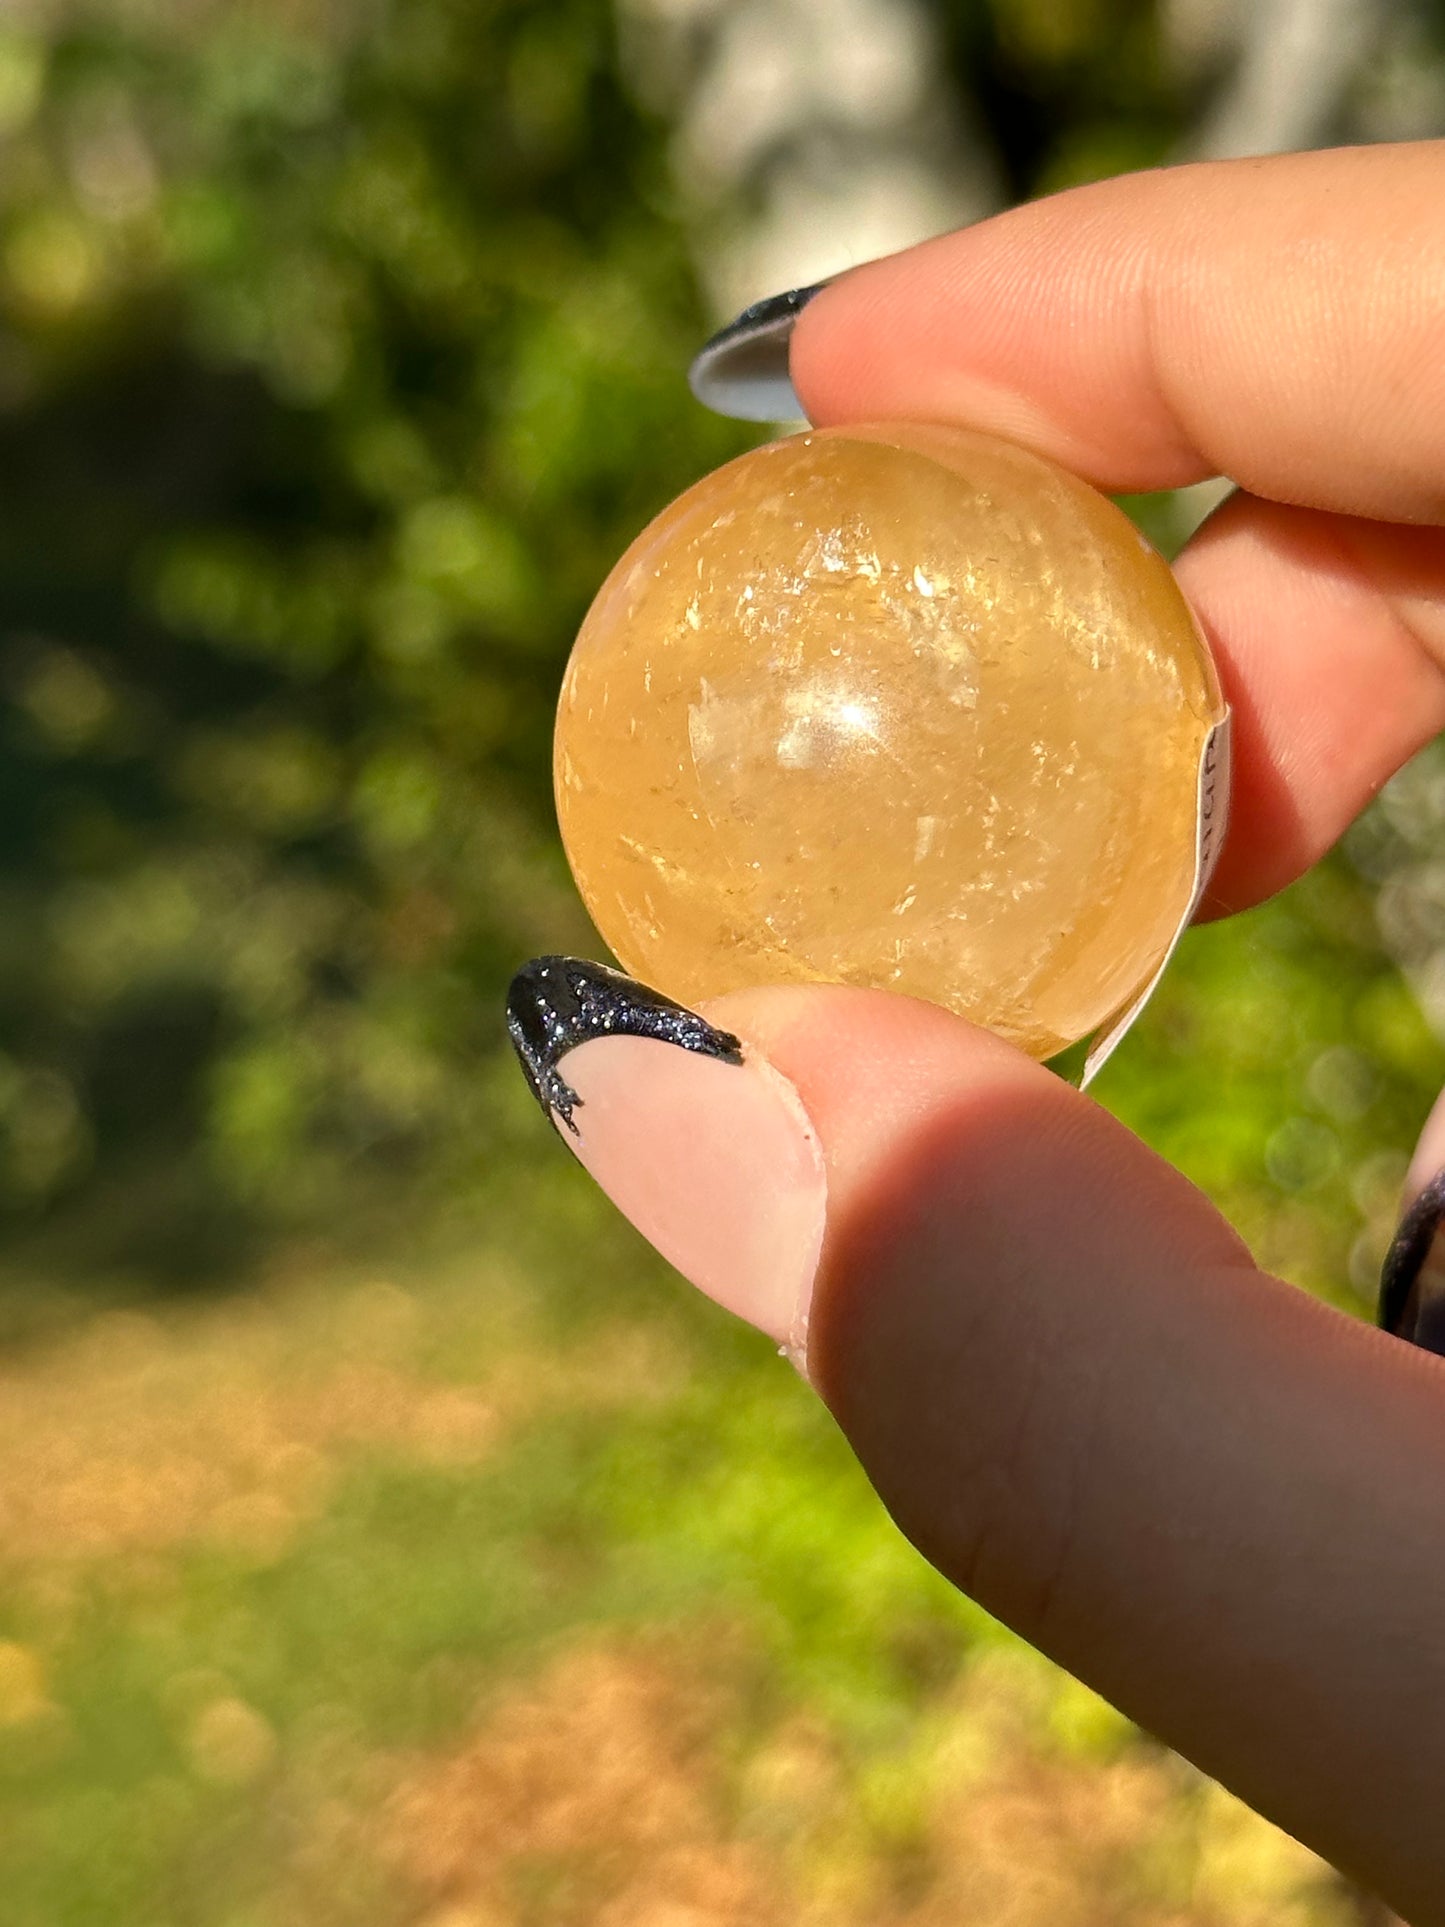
{"x": 743, "y": 370}
{"x": 694, "y": 1136}
{"x": 1412, "y": 1285}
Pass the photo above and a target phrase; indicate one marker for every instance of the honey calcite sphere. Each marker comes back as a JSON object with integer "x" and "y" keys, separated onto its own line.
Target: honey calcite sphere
{"x": 896, "y": 706}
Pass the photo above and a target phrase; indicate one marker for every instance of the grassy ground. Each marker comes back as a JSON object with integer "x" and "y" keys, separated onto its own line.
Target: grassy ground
{"x": 444, "y": 1593}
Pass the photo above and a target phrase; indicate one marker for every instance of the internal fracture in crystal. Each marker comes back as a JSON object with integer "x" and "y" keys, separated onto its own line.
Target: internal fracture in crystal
{"x": 894, "y": 706}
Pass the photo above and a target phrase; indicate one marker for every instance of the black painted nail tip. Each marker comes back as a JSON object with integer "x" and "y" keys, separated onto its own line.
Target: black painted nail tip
{"x": 556, "y": 1003}
{"x": 762, "y": 317}
{"x": 1400, "y": 1309}
{"x": 743, "y": 369}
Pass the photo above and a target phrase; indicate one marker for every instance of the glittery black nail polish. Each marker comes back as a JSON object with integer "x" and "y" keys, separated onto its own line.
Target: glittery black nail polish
{"x": 556, "y": 1003}
{"x": 743, "y": 370}
{"x": 1412, "y": 1287}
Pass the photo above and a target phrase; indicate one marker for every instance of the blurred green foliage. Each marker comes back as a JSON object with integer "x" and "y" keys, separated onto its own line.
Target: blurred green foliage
{"x": 336, "y": 367}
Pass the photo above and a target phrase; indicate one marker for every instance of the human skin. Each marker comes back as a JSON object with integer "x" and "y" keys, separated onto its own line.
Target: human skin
{"x": 1218, "y": 1501}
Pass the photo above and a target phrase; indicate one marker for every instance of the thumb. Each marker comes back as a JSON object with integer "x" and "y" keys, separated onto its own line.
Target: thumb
{"x": 1211, "y": 1497}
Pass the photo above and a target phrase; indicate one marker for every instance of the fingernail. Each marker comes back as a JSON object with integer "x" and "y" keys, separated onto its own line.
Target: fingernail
{"x": 694, "y": 1136}
{"x": 1412, "y": 1285}
{"x": 1429, "y": 1154}
{"x": 743, "y": 370}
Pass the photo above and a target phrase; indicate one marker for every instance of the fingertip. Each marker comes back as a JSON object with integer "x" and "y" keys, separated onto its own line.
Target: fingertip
{"x": 870, "y": 1065}
{"x": 997, "y": 327}
{"x": 951, "y": 1154}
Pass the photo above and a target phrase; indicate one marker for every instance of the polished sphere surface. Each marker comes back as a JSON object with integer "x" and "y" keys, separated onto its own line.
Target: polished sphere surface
{"x": 894, "y": 706}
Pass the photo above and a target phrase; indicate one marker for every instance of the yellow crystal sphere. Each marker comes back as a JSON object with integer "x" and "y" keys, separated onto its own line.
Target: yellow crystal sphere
{"x": 895, "y": 706}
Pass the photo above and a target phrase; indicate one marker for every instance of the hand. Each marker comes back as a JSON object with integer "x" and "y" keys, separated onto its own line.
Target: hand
{"x": 1213, "y": 1498}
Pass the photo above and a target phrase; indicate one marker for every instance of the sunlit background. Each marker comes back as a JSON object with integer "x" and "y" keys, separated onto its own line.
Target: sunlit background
{"x": 386, "y": 1538}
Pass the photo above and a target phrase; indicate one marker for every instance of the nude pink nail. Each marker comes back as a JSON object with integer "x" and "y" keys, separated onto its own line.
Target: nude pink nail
{"x": 697, "y": 1140}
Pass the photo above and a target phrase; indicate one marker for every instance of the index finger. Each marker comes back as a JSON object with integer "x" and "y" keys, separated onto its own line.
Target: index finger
{"x": 1280, "y": 321}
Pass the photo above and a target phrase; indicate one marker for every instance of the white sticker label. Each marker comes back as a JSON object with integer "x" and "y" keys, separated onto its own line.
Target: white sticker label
{"x": 1211, "y": 822}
